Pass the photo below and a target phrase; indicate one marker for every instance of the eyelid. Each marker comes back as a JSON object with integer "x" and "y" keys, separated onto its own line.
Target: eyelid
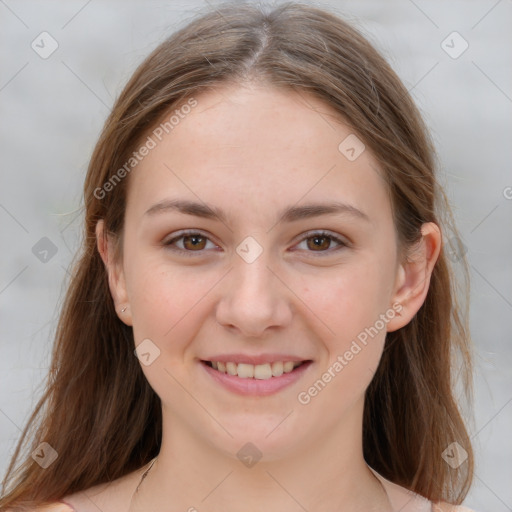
{"x": 184, "y": 232}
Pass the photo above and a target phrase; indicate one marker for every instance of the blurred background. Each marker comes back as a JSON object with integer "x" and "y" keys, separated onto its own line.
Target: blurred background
{"x": 63, "y": 64}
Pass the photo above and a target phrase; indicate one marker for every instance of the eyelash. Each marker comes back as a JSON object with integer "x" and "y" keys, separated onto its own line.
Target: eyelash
{"x": 309, "y": 235}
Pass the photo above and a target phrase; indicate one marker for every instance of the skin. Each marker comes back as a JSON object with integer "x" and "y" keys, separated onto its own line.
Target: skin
{"x": 252, "y": 150}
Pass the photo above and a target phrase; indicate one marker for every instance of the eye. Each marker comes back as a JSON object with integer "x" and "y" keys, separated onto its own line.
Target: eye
{"x": 320, "y": 242}
{"x": 188, "y": 242}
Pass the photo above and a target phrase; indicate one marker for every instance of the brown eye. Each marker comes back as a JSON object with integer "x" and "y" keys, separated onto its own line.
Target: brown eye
{"x": 319, "y": 242}
{"x": 322, "y": 243}
{"x": 191, "y": 242}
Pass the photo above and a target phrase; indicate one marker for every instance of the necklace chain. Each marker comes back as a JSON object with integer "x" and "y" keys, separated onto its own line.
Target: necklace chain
{"x": 144, "y": 475}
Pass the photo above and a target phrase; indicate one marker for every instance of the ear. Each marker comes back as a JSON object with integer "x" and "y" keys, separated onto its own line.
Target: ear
{"x": 114, "y": 268}
{"x": 413, "y": 276}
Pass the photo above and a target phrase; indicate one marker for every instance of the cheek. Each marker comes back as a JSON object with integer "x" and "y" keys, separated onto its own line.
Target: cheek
{"x": 353, "y": 303}
{"x": 352, "y": 310}
{"x": 167, "y": 304}
{"x": 342, "y": 383}
{"x": 349, "y": 299}
{"x": 169, "y": 308}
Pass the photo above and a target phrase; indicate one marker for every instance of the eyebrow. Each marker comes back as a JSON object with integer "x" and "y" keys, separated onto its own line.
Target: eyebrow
{"x": 289, "y": 214}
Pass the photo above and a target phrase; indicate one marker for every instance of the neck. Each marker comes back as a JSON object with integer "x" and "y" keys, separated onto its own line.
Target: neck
{"x": 325, "y": 474}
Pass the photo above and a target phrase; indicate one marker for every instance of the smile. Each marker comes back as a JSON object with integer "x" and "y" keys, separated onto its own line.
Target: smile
{"x": 255, "y": 379}
{"x": 255, "y": 371}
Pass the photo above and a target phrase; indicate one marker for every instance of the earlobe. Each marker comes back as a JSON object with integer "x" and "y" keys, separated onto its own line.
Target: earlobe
{"x": 413, "y": 276}
{"x": 113, "y": 267}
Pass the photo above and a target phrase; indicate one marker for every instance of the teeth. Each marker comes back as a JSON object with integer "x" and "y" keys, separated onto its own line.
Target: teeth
{"x": 245, "y": 371}
{"x": 258, "y": 371}
{"x": 287, "y": 367}
{"x": 263, "y": 371}
{"x": 231, "y": 368}
{"x": 277, "y": 369}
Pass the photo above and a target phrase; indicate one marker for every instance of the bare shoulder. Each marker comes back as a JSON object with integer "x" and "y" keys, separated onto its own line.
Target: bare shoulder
{"x": 108, "y": 497}
{"x": 58, "y": 506}
{"x": 407, "y": 501}
{"x": 443, "y": 506}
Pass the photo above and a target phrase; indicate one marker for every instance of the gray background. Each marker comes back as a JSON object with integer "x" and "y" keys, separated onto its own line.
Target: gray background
{"x": 52, "y": 111}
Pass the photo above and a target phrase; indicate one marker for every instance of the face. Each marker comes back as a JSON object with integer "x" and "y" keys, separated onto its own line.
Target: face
{"x": 250, "y": 238}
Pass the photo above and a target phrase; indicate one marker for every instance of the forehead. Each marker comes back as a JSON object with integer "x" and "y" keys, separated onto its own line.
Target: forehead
{"x": 257, "y": 147}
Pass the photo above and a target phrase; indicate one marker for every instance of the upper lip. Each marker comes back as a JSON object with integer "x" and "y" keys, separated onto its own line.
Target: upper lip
{"x": 254, "y": 359}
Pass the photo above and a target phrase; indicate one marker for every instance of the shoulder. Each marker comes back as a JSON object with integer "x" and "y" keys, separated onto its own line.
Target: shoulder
{"x": 108, "y": 497}
{"x": 407, "y": 501}
{"x": 57, "y": 506}
{"x": 442, "y": 506}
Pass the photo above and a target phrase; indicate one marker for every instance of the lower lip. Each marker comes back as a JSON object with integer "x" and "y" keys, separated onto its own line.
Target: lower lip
{"x": 256, "y": 387}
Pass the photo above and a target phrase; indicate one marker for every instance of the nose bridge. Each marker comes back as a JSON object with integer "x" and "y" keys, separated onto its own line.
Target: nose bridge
{"x": 254, "y": 277}
{"x": 251, "y": 262}
{"x": 255, "y": 298}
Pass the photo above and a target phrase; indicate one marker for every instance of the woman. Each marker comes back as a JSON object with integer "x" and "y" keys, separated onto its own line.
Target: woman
{"x": 263, "y": 315}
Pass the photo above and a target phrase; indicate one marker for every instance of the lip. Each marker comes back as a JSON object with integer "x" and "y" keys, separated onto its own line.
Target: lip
{"x": 254, "y": 359}
{"x": 256, "y": 387}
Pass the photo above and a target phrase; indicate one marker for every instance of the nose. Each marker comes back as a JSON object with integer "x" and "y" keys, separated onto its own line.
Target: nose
{"x": 254, "y": 299}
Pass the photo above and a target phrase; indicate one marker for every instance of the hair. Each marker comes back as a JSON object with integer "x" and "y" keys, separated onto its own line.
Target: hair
{"x": 99, "y": 412}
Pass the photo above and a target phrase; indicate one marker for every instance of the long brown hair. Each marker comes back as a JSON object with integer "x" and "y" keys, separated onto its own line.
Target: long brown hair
{"x": 98, "y": 411}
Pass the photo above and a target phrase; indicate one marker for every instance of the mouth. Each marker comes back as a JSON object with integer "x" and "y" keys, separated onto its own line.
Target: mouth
{"x": 255, "y": 371}
{"x": 255, "y": 379}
